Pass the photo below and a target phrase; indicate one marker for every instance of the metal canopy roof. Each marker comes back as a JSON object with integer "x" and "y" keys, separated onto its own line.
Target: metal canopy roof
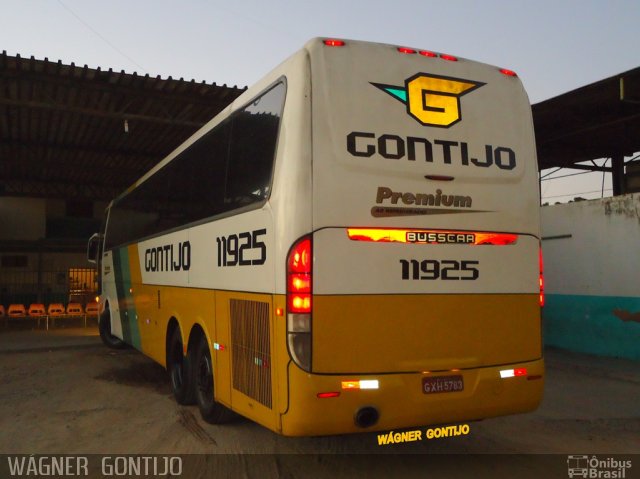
{"x": 75, "y": 132}
{"x": 600, "y": 120}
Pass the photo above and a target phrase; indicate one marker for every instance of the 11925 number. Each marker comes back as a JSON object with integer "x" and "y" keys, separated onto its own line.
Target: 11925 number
{"x": 232, "y": 249}
{"x": 448, "y": 269}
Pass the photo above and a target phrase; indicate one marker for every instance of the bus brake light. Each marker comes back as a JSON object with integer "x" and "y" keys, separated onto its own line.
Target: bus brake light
{"x": 299, "y": 287}
{"x": 299, "y": 277}
{"x": 332, "y": 42}
{"x": 417, "y": 236}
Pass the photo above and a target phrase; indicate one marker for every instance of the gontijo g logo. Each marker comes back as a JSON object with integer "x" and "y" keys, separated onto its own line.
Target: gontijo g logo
{"x": 432, "y": 100}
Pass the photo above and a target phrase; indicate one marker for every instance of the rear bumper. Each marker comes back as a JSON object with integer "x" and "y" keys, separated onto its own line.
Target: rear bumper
{"x": 401, "y": 403}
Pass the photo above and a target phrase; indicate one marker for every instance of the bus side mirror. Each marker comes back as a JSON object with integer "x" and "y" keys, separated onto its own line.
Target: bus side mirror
{"x": 93, "y": 248}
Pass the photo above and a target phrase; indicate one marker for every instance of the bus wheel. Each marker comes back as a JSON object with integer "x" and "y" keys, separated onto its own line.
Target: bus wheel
{"x": 212, "y": 411}
{"x": 104, "y": 326}
{"x": 180, "y": 370}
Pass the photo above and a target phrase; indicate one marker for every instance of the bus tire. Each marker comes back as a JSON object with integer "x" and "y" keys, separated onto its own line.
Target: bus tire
{"x": 104, "y": 327}
{"x": 211, "y": 411}
{"x": 180, "y": 371}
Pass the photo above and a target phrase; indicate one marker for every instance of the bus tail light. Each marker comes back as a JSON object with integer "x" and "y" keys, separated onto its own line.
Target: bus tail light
{"x": 361, "y": 384}
{"x": 541, "y": 280}
{"x": 299, "y": 287}
{"x": 512, "y": 373}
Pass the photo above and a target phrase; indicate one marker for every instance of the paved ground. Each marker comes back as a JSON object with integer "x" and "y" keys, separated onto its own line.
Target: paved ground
{"x": 62, "y": 392}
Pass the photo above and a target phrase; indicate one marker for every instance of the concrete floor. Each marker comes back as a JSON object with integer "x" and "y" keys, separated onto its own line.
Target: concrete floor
{"x": 63, "y": 392}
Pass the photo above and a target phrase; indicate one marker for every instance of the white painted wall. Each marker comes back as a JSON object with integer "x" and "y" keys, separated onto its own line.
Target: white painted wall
{"x": 602, "y": 256}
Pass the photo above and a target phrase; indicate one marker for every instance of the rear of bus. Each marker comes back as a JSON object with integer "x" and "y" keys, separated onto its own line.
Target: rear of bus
{"x": 422, "y": 302}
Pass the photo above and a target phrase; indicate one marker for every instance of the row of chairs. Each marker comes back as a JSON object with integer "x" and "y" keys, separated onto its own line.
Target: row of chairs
{"x": 37, "y": 310}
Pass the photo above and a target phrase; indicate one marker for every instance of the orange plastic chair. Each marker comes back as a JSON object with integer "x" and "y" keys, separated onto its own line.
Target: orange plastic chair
{"x": 36, "y": 309}
{"x": 92, "y": 309}
{"x": 16, "y": 310}
{"x": 75, "y": 309}
{"x": 55, "y": 309}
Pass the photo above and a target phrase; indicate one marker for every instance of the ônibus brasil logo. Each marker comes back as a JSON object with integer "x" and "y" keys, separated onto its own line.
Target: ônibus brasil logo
{"x": 432, "y": 100}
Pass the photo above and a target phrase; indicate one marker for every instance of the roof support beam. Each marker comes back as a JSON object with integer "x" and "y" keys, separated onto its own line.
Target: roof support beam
{"x": 576, "y": 166}
{"x": 116, "y": 115}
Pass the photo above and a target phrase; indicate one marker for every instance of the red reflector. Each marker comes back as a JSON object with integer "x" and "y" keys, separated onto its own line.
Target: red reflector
{"x": 510, "y": 73}
{"x": 331, "y": 42}
{"x": 409, "y": 51}
{"x": 450, "y": 58}
{"x": 427, "y": 53}
{"x": 520, "y": 372}
{"x": 334, "y": 394}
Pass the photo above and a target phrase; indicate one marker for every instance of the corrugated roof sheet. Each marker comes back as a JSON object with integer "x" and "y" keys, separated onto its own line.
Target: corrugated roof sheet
{"x": 62, "y": 127}
{"x": 595, "y": 121}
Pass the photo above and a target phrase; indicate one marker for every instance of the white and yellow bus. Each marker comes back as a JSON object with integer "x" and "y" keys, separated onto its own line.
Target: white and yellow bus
{"x": 351, "y": 245}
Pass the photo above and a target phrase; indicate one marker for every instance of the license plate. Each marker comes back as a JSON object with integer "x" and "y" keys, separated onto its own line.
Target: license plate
{"x": 442, "y": 384}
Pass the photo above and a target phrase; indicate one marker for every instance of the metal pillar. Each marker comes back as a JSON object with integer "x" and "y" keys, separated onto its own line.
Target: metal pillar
{"x": 617, "y": 174}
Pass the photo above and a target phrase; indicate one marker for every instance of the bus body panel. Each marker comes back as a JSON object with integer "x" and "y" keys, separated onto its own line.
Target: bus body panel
{"x": 424, "y": 332}
{"x": 401, "y": 402}
{"x": 347, "y": 175}
{"x": 396, "y": 145}
{"x": 180, "y": 275}
{"x": 368, "y": 267}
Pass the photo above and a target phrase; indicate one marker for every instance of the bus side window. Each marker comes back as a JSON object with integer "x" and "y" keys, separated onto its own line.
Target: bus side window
{"x": 254, "y": 137}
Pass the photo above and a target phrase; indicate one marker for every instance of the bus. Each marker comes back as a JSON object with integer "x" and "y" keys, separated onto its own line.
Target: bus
{"x": 352, "y": 245}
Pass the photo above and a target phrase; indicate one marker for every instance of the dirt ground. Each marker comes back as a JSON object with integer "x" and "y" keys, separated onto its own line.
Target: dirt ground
{"x": 62, "y": 392}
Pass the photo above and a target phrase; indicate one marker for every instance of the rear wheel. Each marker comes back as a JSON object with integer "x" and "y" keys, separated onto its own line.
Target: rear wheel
{"x": 104, "y": 326}
{"x": 180, "y": 370}
{"x": 212, "y": 411}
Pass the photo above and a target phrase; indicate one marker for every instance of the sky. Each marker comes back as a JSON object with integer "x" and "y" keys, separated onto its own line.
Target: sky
{"x": 554, "y": 45}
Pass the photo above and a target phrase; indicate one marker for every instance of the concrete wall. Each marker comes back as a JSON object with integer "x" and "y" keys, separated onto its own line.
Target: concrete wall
{"x": 22, "y": 218}
{"x": 592, "y": 274}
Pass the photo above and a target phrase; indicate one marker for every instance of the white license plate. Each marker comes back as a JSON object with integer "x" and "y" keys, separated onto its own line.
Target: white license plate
{"x": 442, "y": 384}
